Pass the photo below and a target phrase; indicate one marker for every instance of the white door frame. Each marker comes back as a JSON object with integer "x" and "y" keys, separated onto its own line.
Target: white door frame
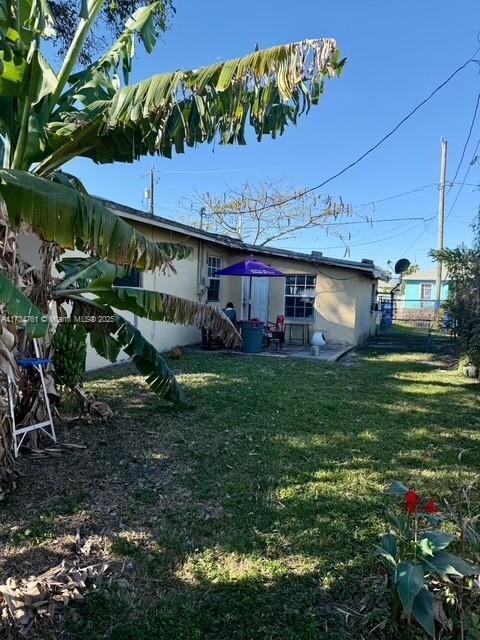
{"x": 245, "y": 290}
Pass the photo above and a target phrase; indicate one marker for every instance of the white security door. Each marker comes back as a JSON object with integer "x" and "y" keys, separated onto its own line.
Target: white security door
{"x": 260, "y": 298}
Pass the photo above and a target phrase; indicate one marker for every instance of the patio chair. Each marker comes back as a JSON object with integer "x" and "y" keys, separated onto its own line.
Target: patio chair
{"x": 274, "y": 332}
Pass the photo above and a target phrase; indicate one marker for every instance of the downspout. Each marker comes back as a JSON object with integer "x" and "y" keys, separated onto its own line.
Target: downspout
{"x": 199, "y": 269}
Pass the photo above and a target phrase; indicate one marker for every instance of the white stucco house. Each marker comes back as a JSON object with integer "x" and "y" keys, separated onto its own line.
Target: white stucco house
{"x": 319, "y": 293}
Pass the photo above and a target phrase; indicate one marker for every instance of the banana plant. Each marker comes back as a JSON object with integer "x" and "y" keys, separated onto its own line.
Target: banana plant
{"x": 51, "y": 114}
{"x": 89, "y": 284}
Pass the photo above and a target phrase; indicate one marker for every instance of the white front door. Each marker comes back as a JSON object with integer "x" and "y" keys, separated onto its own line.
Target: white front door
{"x": 260, "y": 298}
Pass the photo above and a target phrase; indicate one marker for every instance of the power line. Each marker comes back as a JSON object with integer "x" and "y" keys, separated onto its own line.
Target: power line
{"x": 453, "y": 182}
{"x": 398, "y": 195}
{"x": 208, "y": 171}
{"x": 373, "y": 221}
{"x": 462, "y": 184}
{"x": 180, "y": 209}
{"x": 395, "y": 235}
{"x": 427, "y": 228}
{"x": 376, "y": 145}
{"x": 467, "y": 140}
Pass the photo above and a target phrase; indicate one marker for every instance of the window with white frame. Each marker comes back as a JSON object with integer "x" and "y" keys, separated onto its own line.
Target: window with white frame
{"x": 300, "y": 297}
{"x": 426, "y": 291}
{"x": 214, "y": 264}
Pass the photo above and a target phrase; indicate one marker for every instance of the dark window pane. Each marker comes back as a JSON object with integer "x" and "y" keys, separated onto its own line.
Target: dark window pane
{"x": 132, "y": 280}
{"x": 289, "y": 301}
{"x": 290, "y": 312}
{"x": 311, "y": 281}
{"x": 213, "y": 293}
{"x": 300, "y": 280}
{"x": 290, "y": 280}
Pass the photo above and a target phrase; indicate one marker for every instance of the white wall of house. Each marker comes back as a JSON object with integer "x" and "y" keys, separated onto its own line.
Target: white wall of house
{"x": 342, "y": 300}
{"x": 184, "y": 283}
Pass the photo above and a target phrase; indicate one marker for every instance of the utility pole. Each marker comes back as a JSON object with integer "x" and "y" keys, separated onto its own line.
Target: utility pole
{"x": 203, "y": 211}
{"x": 441, "y": 223}
{"x": 152, "y": 191}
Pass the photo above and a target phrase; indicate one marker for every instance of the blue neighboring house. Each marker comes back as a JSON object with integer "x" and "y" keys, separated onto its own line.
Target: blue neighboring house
{"x": 419, "y": 290}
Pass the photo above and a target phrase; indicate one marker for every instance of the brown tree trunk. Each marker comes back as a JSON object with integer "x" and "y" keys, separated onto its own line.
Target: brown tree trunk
{"x": 7, "y": 474}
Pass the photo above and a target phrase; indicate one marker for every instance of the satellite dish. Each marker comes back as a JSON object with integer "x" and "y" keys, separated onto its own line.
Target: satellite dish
{"x": 402, "y": 265}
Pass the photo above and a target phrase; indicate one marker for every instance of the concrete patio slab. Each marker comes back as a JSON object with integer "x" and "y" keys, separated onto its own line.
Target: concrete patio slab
{"x": 328, "y": 353}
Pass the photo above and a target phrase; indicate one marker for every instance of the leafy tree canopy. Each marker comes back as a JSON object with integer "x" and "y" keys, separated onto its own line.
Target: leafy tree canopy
{"x": 110, "y": 25}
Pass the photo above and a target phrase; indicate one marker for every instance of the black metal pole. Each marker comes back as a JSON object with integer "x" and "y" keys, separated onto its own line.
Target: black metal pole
{"x": 250, "y": 298}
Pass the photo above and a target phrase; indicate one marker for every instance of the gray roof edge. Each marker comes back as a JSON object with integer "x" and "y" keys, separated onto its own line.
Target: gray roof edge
{"x": 233, "y": 243}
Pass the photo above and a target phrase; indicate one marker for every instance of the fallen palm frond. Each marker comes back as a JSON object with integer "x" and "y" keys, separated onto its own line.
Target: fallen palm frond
{"x": 22, "y": 601}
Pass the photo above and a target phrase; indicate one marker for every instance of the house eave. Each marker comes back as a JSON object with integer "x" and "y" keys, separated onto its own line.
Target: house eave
{"x": 136, "y": 215}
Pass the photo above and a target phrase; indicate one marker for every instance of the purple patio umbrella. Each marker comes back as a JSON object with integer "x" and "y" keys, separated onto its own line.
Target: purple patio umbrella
{"x": 253, "y": 269}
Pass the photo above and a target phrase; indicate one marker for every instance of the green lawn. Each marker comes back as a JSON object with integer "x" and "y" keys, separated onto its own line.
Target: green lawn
{"x": 254, "y": 515}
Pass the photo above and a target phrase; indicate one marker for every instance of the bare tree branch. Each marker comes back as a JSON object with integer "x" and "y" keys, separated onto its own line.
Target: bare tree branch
{"x": 242, "y": 213}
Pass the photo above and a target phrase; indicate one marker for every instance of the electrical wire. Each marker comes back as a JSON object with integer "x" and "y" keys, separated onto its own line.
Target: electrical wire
{"x": 376, "y": 145}
{"x": 472, "y": 124}
{"x": 427, "y": 228}
{"x": 394, "y": 197}
{"x": 372, "y": 221}
{"x": 460, "y": 190}
{"x": 389, "y": 237}
{"x": 207, "y": 171}
{"x": 180, "y": 210}
{"x": 330, "y": 277}
{"x": 462, "y": 184}
{"x": 453, "y": 182}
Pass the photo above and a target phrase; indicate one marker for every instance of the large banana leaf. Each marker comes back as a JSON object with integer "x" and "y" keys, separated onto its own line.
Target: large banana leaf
{"x": 83, "y": 273}
{"x": 268, "y": 89}
{"x": 149, "y": 362}
{"x": 121, "y": 334}
{"x": 22, "y": 309}
{"x": 76, "y": 221}
{"x": 167, "y": 308}
{"x": 97, "y": 277}
{"x": 142, "y": 25}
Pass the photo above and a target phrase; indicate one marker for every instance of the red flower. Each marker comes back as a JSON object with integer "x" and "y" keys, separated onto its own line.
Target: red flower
{"x": 411, "y": 501}
{"x": 431, "y": 507}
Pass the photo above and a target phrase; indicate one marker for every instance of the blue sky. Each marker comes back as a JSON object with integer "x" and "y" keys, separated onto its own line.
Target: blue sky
{"x": 397, "y": 53}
